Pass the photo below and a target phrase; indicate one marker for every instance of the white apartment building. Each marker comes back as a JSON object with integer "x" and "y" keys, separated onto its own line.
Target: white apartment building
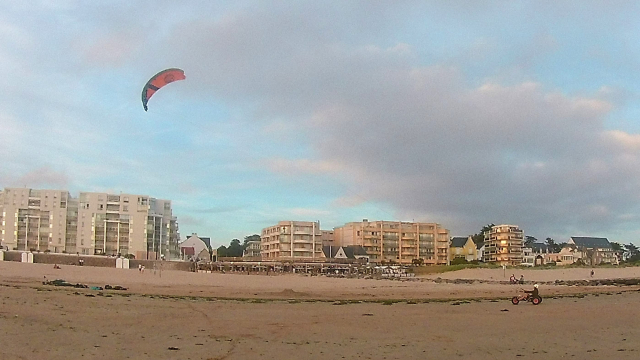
{"x": 397, "y": 241}
{"x": 93, "y": 223}
{"x": 292, "y": 241}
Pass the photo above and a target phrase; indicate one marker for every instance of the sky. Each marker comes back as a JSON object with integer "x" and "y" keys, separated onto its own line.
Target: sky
{"x": 463, "y": 113}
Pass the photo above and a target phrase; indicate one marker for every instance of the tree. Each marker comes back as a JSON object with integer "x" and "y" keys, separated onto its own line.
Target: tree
{"x": 616, "y": 246}
{"x": 222, "y": 251}
{"x": 235, "y": 249}
{"x": 553, "y": 247}
{"x": 479, "y": 238}
{"x": 528, "y": 240}
{"x": 634, "y": 252}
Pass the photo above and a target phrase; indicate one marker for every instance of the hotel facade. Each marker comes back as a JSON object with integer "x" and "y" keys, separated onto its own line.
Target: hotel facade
{"x": 92, "y": 224}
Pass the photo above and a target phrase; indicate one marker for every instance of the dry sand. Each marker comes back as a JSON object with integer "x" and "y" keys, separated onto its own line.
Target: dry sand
{"x": 295, "y": 316}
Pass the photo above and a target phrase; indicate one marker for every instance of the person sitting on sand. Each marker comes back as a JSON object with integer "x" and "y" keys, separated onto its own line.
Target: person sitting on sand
{"x": 521, "y": 279}
{"x": 512, "y": 279}
{"x": 55, "y": 266}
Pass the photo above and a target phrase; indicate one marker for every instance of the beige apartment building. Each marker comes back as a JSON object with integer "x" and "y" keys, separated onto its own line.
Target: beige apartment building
{"x": 503, "y": 245}
{"x": 92, "y": 224}
{"x": 292, "y": 241}
{"x": 33, "y": 220}
{"x": 397, "y": 241}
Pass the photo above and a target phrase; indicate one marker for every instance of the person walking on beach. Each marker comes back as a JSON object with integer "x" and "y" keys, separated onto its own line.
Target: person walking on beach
{"x": 592, "y": 272}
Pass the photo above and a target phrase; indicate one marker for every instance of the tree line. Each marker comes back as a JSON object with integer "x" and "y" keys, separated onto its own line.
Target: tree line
{"x": 235, "y": 248}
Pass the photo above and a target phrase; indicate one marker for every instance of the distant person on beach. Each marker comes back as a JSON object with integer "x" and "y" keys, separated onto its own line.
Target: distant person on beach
{"x": 592, "y": 272}
{"x": 521, "y": 279}
{"x": 512, "y": 279}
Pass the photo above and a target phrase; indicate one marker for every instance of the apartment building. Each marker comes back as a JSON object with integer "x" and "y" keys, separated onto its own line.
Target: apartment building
{"x": 253, "y": 250}
{"x": 33, "y": 220}
{"x": 397, "y": 241}
{"x": 503, "y": 245}
{"x": 93, "y": 223}
{"x": 292, "y": 241}
{"x": 327, "y": 238}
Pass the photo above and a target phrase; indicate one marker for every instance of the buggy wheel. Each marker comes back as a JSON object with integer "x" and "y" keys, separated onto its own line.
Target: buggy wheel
{"x": 514, "y": 300}
{"x": 536, "y": 300}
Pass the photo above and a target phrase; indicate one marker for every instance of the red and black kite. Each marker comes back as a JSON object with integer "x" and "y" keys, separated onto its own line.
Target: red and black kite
{"x": 159, "y": 80}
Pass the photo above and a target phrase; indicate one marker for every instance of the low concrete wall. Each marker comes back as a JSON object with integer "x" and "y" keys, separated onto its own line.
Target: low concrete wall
{"x": 97, "y": 261}
{"x": 13, "y": 256}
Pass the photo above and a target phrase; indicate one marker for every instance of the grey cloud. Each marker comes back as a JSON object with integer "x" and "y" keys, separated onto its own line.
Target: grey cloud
{"x": 407, "y": 131}
{"x": 419, "y": 137}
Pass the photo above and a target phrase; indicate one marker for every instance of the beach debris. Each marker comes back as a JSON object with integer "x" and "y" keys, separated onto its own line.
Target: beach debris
{"x": 367, "y": 314}
{"x": 117, "y": 287}
{"x": 173, "y": 348}
{"x": 504, "y": 310}
{"x": 60, "y": 282}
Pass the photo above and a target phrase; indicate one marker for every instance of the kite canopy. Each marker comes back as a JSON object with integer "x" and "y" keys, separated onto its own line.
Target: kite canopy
{"x": 159, "y": 80}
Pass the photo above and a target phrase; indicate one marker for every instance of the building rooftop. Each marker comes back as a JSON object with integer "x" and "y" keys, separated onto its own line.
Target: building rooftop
{"x": 591, "y": 242}
{"x": 458, "y": 241}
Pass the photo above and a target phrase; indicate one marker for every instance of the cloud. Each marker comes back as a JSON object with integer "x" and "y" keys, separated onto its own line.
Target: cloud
{"x": 191, "y": 221}
{"x": 307, "y": 213}
{"x": 302, "y": 166}
{"x": 428, "y": 109}
{"x": 41, "y": 177}
{"x": 219, "y": 209}
{"x": 416, "y": 136}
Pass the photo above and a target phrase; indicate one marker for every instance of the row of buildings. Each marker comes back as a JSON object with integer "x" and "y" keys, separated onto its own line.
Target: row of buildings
{"x": 91, "y": 224}
{"x": 504, "y": 244}
{"x": 144, "y": 227}
{"x": 382, "y": 241}
{"x": 418, "y": 243}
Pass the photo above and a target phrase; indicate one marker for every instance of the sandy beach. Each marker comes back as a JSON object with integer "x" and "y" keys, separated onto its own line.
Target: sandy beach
{"x": 181, "y": 315}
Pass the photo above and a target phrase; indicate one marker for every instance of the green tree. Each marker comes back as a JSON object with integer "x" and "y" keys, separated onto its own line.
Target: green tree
{"x": 616, "y": 246}
{"x": 634, "y": 253}
{"x": 528, "y": 240}
{"x": 222, "y": 251}
{"x": 553, "y": 246}
{"x": 235, "y": 249}
{"x": 479, "y": 237}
